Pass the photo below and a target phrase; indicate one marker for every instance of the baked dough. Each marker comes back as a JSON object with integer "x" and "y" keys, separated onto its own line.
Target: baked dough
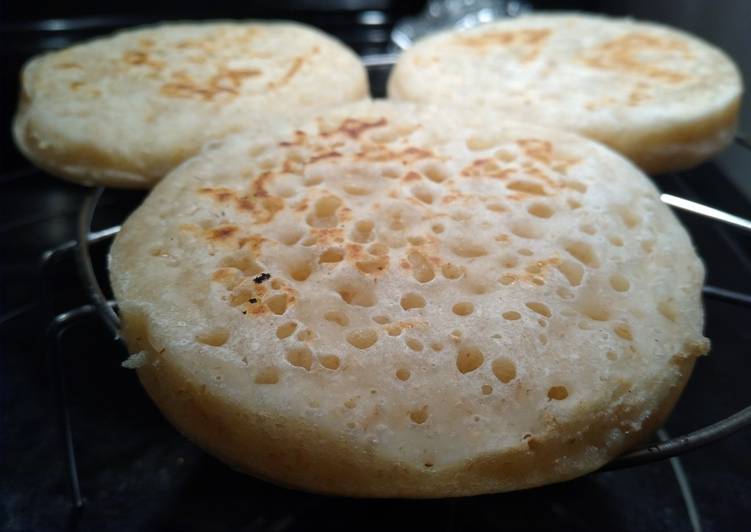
{"x": 388, "y": 302}
{"x": 126, "y": 109}
{"x": 663, "y": 98}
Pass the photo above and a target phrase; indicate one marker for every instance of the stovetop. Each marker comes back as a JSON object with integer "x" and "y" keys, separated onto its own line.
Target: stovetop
{"x": 137, "y": 473}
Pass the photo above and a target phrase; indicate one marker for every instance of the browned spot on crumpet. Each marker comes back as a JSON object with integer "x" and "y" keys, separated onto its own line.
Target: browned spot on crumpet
{"x": 623, "y": 54}
{"x": 252, "y": 242}
{"x": 291, "y": 71}
{"x": 325, "y": 155}
{"x": 185, "y": 90}
{"x": 220, "y": 194}
{"x": 412, "y": 176}
{"x": 299, "y": 140}
{"x": 138, "y": 57}
{"x": 65, "y": 66}
{"x": 524, "y": 43}
{"x": 486, "y": 168}
{"x": 234, "y": 78}
{"x": 222, "y": 232}
{"x": 224, "y": 275}
{"x": 538, "y": 149}
{"x": 353, "y": 128}
{"x": 379, "y": 153}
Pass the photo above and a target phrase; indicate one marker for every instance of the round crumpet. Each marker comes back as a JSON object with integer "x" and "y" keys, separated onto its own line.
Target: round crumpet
{"x": 659, "y": 96}
{"x": 124, "y": 110}
{"x": 386, "y": 302}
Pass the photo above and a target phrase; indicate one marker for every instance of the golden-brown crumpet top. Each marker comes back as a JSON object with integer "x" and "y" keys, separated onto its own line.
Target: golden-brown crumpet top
{"x": 124, "y": 110}
{"x": 386, "y": 302}
{"x": 661, "y": 97}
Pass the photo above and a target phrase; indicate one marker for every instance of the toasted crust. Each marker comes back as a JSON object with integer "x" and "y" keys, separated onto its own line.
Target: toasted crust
{"x": 124, "y": 110}
{"x": 390, "y": 300}
{"x": 661, "y": 97}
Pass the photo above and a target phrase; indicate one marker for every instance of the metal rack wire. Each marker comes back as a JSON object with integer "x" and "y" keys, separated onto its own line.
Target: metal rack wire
{"x": 105, "y": 309}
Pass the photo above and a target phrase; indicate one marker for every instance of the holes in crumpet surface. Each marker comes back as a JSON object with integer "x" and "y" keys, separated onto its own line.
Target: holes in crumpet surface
{"x": 412, "y": 300}
{"x": 509, "y": 261}
{"x": 588, "y": 229}
{"x": 511, "y": 315}
{"x": 527, "y": 187}
{"x": 619, "y": 283}
{"x": 486, "y": 389}
{"x": 437, "y": 228}
{"x": 414, "y": 344}
{"x": 403, "y": 374}
{"x": 391, "y": 172}
{"x": 435, "y": 173}
{"x": 419, "y": 415}
{"x": 576, "y": 185}
{"x": 378, "y": 249}
{"x": 629, "y": 217}
{"x": 243, "y": 261}
{"x": 479, "y": 143}
{"x": 286, "y": 330}
{"x": 595, "y": 310}
{"x": 313, "y": 180}
{"x": 324, "y": 212}
{"x": 382, "y": 320}
{"x": 337, "y": 316}
{"x": 362, "y": 338}
{"x": 277, "y": 304}
{"x": 331, "y": 255}
{"x": 469, "y": 358}
{"x": 557, "y": 393}
{"x": 623, "y": 331}
{"x": 372, "y": 266}
{"x": 451, "y": 271}
{"x": 268, "y": 375}
{"x": 213, "y": 337}
{"x": 572, "y": 272}
{"x": 616, "y": 240}
{"x": 289, "y": 236}
{"x": 327, "y": 206}
{"x": 363, "y": 231}
{"x": 540, "y": 308}
{"x": 301, "y": 357}
{"x": 668, "y": 310}
{"x": 540, "y": 210}
{"x": 469, "y": 249}
{"x": 422, "y": 271}
{"x": 525, "y": 229}
{"x": 423, "y": 194}
{"x": 300, "y": 269}
{"x": 584, "y": 253}
{"x": 463, "y": 309}
{"x": 331, "y": 362}
{"x": 504, "y": 369}
{"x": 356, "y": 190}
{"x": 361, "y": 295}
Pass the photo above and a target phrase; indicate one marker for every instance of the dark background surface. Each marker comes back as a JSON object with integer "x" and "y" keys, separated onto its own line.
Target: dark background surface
{"x": 137, "y": 473}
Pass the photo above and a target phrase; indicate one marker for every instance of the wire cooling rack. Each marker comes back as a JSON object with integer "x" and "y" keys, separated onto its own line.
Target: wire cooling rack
{"x": 665, "y": 448}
